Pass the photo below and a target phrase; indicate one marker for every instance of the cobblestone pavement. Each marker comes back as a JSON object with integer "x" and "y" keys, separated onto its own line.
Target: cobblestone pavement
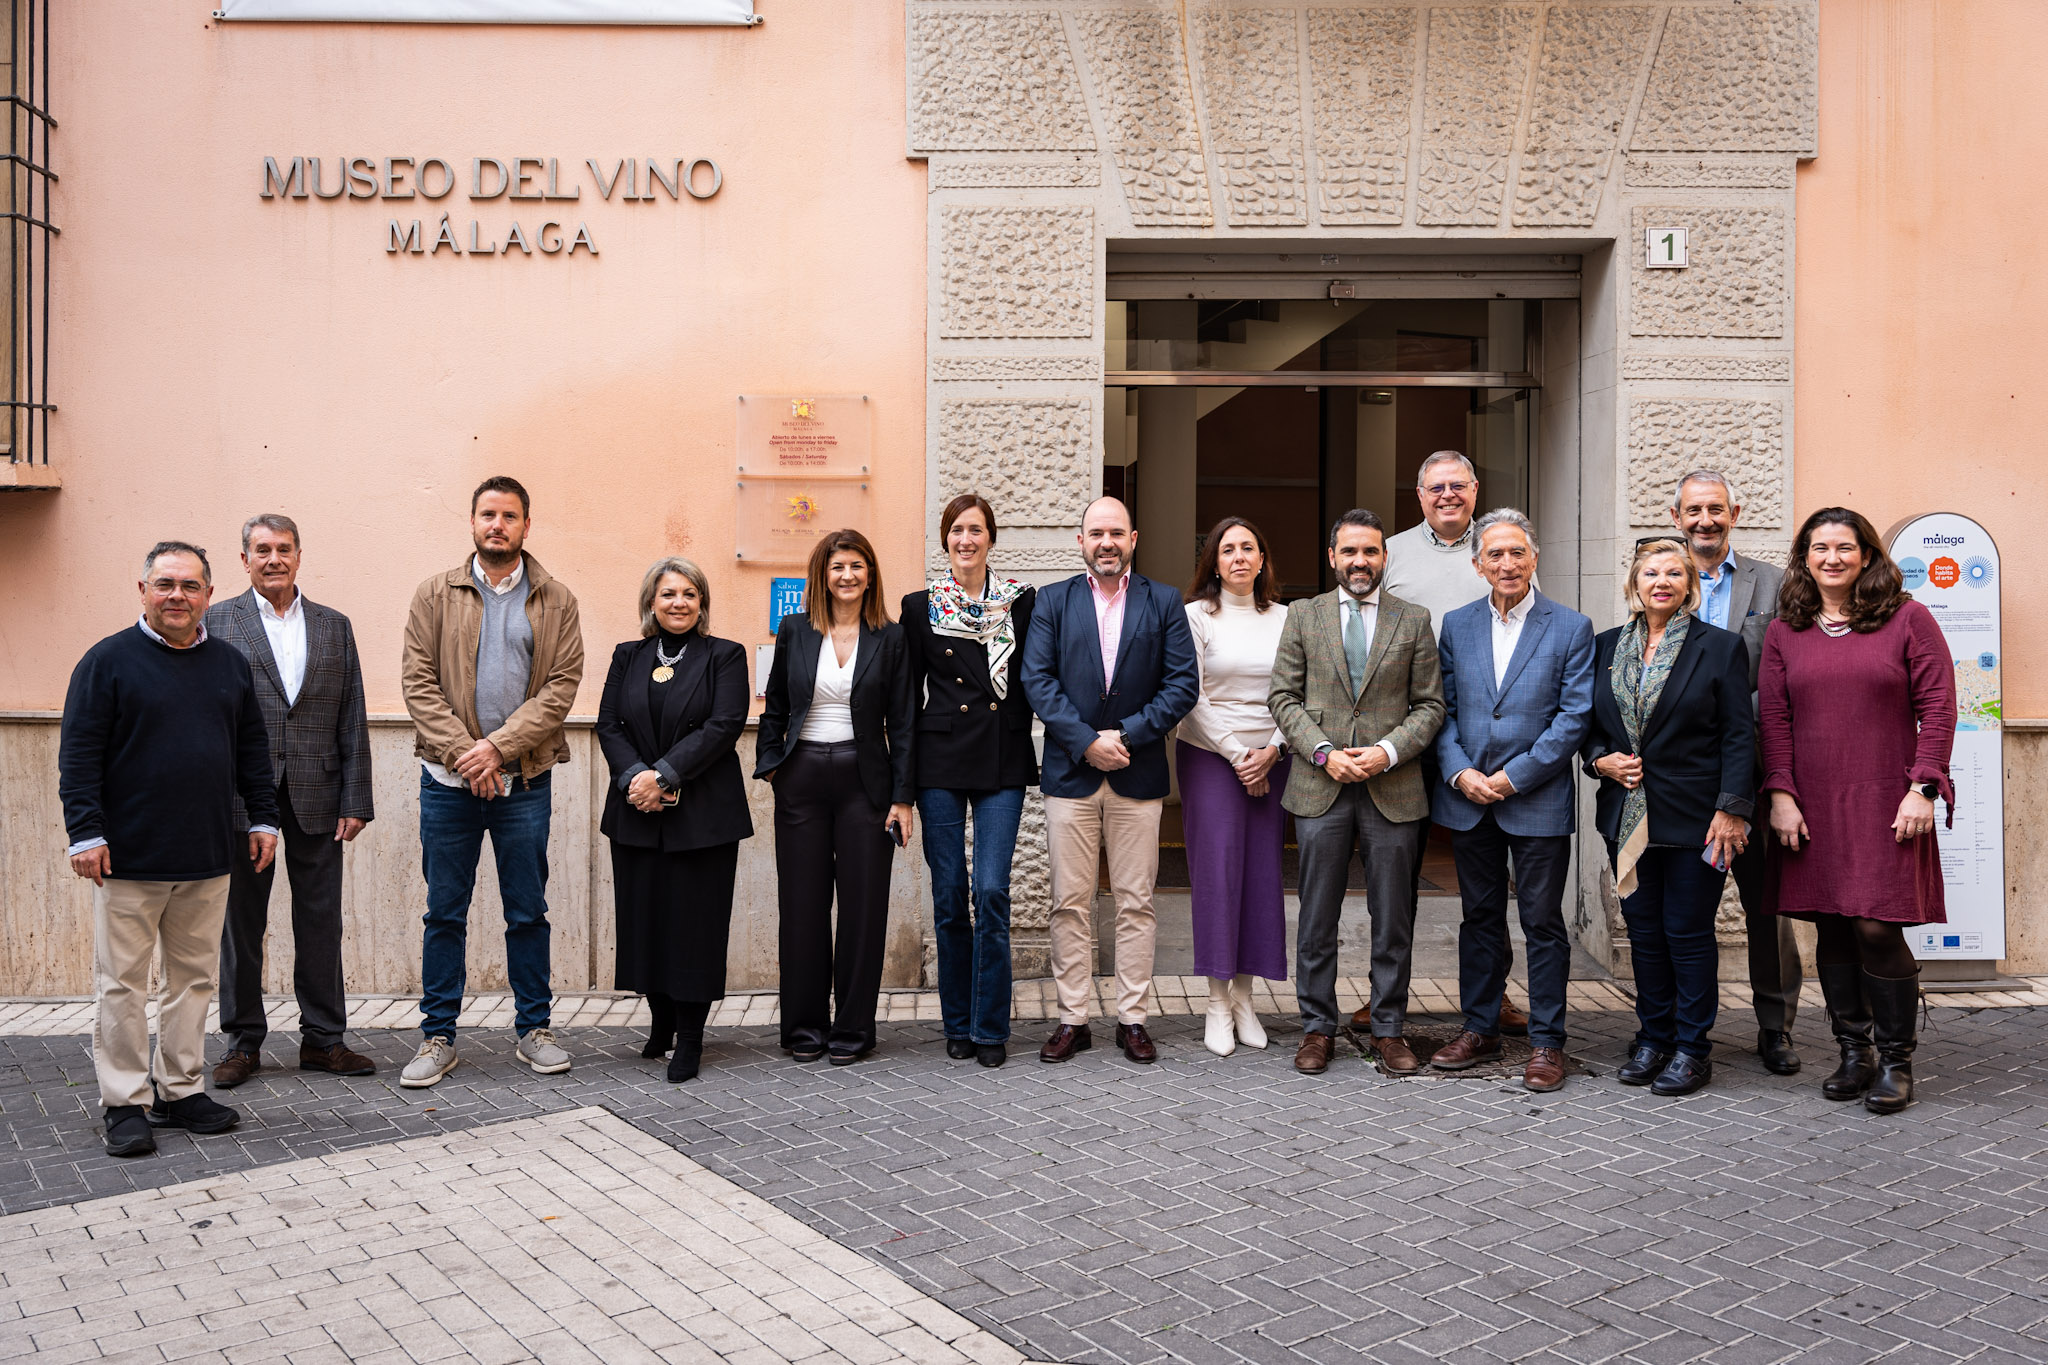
{"x": 1226, "y": 1209}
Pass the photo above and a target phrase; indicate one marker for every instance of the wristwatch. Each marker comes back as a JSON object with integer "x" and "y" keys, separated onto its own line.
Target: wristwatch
{"x": 1321, "y": 757}
{"x": 1123, "y": 737}
{"x": 1927, "y": 789}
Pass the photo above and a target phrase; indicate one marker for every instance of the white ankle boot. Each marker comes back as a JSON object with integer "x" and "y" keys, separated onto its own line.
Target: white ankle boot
{"x": 1217, "y": 1034}
{"x": 1243, "y": 1016}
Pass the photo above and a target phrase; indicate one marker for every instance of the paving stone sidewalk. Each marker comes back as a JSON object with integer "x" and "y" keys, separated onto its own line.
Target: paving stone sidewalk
{"x": 1225, "y": 1209}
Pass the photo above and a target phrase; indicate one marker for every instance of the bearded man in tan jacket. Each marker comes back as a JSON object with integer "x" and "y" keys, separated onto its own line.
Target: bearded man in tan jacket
{"x": 493, "y": 656}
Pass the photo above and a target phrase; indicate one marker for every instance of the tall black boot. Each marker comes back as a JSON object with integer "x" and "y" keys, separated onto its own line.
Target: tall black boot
{"x": 1841, "y": 985}
{"x": 1895, "y": 1010}
{"x": 690, "y": 1016}
{"x": 662, "y": 1036}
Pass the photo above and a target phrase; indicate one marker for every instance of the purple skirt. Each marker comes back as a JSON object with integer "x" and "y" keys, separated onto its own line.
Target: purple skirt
{"x": 1234, "y": 844}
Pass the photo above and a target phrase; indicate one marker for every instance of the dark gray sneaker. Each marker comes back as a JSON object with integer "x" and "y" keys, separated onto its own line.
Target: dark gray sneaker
{"x": 196, "y": 1113}
{"x": 128, "y": 1131}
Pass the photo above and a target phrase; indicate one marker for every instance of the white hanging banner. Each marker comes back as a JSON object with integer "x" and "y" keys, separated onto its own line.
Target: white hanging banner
{"x": 1951, "y": 567}
{"x": 727, "y": 12}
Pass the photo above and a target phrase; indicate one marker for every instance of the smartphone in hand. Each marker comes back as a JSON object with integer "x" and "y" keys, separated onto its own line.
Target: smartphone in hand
{"x": 895, "y": 828}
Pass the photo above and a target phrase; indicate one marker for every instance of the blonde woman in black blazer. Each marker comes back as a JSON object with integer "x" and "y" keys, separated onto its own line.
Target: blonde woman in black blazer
{"x": 835, "y": 739}
{"x": 675, "y": 811}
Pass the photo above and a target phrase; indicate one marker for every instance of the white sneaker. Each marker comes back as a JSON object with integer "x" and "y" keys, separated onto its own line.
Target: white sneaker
{"x": 1217, "y": 1034}
{"x": 435, "y": 1059}
{"x": 539, "y": 1050}
{"x": 1246, "y": 1019}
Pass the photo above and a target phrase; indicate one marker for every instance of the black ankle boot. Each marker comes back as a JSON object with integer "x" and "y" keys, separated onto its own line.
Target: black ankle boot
{"x": 1841, "y": 984}
{"x": 689, "y": 1055}
{"x": 662, "y": 1036}
{"x": 1894, "y": 1009}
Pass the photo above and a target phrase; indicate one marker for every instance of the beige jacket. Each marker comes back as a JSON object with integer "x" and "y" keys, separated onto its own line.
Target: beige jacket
{"x": 440, "y": 670}
{"x": 1403, "y": 702}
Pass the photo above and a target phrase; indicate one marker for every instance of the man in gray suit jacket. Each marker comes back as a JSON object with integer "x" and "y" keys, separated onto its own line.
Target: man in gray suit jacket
{"x": 309, "y": 686}
{"x": 1357, "y": 693}
{"x": 1741, "y": 594}
{"x": 1518, "y": 696}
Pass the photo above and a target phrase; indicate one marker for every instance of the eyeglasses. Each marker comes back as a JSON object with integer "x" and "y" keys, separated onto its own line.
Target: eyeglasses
{"x": 1444, "y": 490}
{"x": 1660, "y": 540}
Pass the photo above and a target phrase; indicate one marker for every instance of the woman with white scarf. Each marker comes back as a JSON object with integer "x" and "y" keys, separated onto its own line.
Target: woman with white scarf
{"x": 1673, "y": 742}
{"x": 966, "y": 637}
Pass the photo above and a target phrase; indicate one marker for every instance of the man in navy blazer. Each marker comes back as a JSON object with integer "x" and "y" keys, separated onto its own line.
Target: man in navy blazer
{"x": 1518, "y": 696}
{"x": 1109, "y": 666}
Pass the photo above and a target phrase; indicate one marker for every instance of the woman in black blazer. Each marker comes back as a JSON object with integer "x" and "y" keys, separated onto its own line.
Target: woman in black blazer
{"x": 965, "y": 633}
{"x": 674, "y": 704}
{"x": 1673, "y": 742}
{"x": 835, "y": 739}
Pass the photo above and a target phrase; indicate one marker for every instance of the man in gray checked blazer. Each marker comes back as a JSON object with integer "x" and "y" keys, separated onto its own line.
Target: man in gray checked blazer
{"x": 309, "y": 685}
{"x": 1357, "y": 692}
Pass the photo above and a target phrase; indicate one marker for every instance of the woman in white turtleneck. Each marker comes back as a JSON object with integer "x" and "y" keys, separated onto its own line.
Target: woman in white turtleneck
{"x": 1232, "y": 764}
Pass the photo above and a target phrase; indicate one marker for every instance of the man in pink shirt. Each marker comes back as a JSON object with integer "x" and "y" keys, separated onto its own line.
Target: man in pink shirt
{"x": 1109, "y": 666}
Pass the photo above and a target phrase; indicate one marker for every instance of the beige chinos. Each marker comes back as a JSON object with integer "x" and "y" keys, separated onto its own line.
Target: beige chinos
{"x": 1076, "y": 828}
{"x": 129, "y": 920}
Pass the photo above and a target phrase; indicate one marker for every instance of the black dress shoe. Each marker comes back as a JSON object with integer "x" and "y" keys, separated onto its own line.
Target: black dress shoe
{"x": 1683, "y": 1075}
{"x": 128, "y": 1131}
{"x": 1775, "y": 1047}
{"x": 806, "y": 1051}
{"x": 959, "y": 1049}
{"x": 1644, "y": 1064}
{"x": 847, "y": 1056}
{"x": 198, "y": 1112}
{"x": 991, "y": 1054}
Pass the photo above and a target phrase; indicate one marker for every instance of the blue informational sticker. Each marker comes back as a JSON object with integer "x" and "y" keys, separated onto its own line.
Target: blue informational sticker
{"x": 1914, "y": 572}
{"x": 1987, "y": 661}
{"x": 1977, "y": 571}
{"x": 785, "y": 598}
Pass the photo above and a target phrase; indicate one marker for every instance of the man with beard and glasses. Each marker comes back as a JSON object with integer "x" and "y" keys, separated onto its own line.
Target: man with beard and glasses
{"x": 1109, "y": 666}
{"x": 1740, "y": 594}
{"x": 493, "y": 654}
{"x": 1357, "y": 692}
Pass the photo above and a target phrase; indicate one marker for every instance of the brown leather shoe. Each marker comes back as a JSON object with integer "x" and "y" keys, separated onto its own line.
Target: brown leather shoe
{"x": 1468, "y": 1049}
{"x": 1396, "y": 1056}
{"x": 234, "y": 1067}
{"x": 1312, "y": 1058}
{"x": 1066, "y": 1040}
{"x": 1512, "y": 1018}
{"x": 1545, "y": 1070}
{"x": 337, "y": 1060}
{"x": 1361, "y": 1018}
{"x": 1136, "y": 1043}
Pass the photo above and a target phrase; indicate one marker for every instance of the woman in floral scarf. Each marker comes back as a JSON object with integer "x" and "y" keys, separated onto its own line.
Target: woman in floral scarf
{"x": 1673, "y": 742}
{"x": 974, "y": 752}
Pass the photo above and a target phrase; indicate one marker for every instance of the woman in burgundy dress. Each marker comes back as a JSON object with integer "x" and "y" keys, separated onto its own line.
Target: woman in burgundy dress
{"x": 1857, "y": 708}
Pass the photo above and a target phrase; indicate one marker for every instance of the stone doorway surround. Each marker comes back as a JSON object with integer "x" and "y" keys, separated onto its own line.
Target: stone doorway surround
{"x": 1052, "y": 127}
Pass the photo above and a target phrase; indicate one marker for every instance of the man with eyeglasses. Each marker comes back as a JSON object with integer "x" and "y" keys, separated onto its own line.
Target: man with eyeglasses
{"x": 162, "y": 733}
{"x": 1431, "y": 566}
{"x": 1741, "y": 594}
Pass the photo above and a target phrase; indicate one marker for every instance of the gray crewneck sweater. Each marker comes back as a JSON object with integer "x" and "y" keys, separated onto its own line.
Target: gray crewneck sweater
{"x": 504, "y": 654}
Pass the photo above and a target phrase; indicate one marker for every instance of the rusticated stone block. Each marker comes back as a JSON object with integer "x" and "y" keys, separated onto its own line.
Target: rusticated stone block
{"x": 1745, "y": 438}
{"x": 1017, "y": 272}
{"x": 1032, "y": 458}
{"x": 1584, "y": 80}
{"x": 996, "y": 367}
{"x": 1148, "y": 114}
{"x": 994, "y": 81}
{"x": 1024, "y": 559}
{"x": 1761, "y": 369}
{"x": 1031, "y": 870}
{"x": 1735, "y": 286}
{"x": 1734, "y": 78}
{"x": 1707, "y": 173}
{"x": 1019, "y": 175}
{"x": 1251, "y": 85}
{"x": 1472, "y": 98}
{"x": 1362, "y": 85}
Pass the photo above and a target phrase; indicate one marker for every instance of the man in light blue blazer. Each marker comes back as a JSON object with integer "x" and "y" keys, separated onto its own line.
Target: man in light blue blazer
{"x": 1518, "y": 695}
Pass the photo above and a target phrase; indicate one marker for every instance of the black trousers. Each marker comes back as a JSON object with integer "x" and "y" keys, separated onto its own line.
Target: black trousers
{"x": 312, "y": 864}
{"x": 1774, "y": 970}
{"x": 1483, "y": 854}
{"x": 829, "y": 842}
{"x": 1388, "y": 850}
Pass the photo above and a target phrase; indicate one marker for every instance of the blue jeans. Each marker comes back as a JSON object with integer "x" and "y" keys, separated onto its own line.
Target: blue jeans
{"x": 453, "y": 823}
{"x": 1671, "y": 943}
{"x": 974, "y": 952}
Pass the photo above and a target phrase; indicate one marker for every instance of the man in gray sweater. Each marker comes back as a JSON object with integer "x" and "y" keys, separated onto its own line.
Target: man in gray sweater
{"x": 493, "y": 657}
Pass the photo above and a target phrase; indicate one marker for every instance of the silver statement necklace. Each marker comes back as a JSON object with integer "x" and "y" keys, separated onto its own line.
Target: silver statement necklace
{"x": 664, "y": 666}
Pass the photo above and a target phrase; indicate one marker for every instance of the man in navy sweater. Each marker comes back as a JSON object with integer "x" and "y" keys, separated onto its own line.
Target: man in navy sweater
{"x": 161, "y": 733}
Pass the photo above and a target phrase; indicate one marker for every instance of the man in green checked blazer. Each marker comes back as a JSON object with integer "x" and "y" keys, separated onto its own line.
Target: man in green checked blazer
{"x": 1357, "y": 692}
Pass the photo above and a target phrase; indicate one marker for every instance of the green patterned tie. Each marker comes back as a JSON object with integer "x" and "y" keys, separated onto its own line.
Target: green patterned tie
{"x": 1355, "y": 648}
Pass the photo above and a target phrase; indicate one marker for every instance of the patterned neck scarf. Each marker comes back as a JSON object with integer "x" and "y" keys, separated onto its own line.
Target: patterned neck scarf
{"x": 1637, "y": 686}
{"x": 985, "y": 618}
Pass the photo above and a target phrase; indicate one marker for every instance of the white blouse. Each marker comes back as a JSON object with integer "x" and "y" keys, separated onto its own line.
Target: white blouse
{"x": 830, "y": 719}
{"x": 1234, "y": 650}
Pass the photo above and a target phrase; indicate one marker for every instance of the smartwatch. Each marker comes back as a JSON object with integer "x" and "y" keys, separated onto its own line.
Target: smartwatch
{"x": 1927, "y": 789}
{"x": 1321, "y": 757}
